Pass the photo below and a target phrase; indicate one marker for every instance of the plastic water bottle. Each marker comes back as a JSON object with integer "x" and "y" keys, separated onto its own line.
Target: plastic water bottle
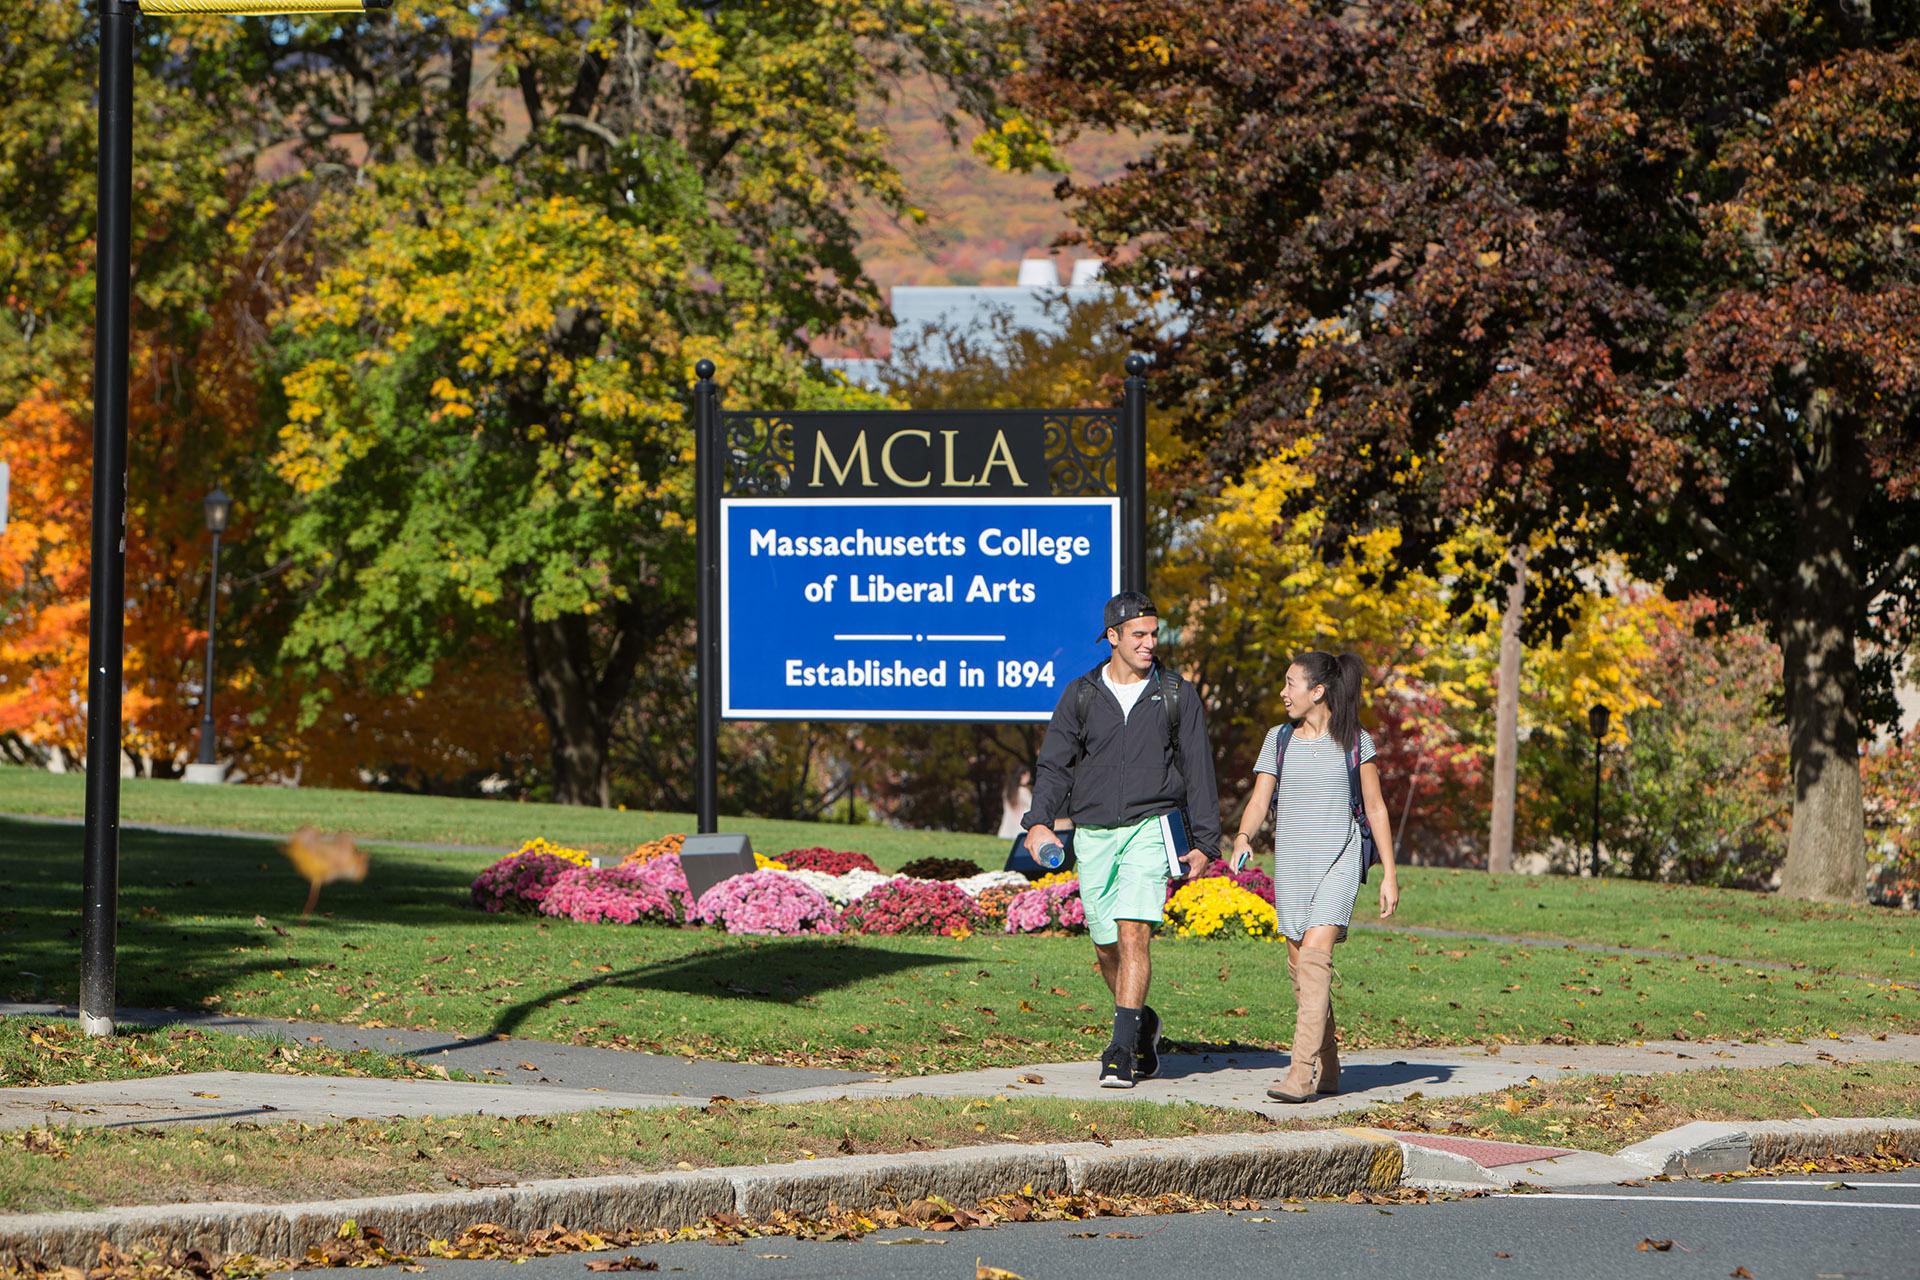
{"x": 1051, "y": 856}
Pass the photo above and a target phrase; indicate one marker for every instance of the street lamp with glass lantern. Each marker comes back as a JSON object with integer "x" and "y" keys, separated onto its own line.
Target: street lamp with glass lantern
{"x": 1597, "y": 718}
{"x": 107, "y": 588}
{"x": 219, "y": 507}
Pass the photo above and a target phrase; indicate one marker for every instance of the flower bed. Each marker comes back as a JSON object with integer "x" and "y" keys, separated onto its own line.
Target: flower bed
{"x": 940, "y": 869}
{"x": 975, "y": 885}
{"x": 611, "y": 895}
{"x": 660, "y": 848}
{"x": 1216, "y": 907}
{"x": 665, "y": 874}
{"x": 833, "y": 862}
{"x": 1048, "y": 906}
{"x": 519, "y": 881}
{"x": 767, "y": 902}
{"x": 992, "y": 903}
{"x": 1250, "y": 878}
{"x": 902, "y": 905}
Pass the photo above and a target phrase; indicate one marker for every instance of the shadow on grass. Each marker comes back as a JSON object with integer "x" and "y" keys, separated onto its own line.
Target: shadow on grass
{"x": 188, "y": 927}
{"x": 777, "y": 972}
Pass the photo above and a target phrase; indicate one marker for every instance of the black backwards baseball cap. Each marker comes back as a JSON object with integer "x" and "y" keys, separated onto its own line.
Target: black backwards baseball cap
{"x": 1124, "y": 608}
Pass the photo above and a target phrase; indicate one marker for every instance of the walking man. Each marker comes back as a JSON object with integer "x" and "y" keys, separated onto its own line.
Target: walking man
{"x": 1126, "y": 757}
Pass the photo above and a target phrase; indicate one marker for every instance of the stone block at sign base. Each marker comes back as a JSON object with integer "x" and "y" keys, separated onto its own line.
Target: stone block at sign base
{"x": 205, "y": 773}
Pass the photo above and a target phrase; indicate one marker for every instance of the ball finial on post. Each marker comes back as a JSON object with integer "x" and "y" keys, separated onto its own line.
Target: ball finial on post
{"x": 1136, "y": 365}
{"x": 704, "y": 370}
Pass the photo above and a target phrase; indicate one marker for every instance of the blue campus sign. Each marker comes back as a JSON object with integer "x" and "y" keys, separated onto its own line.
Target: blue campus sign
{"x": 936, "y": 608}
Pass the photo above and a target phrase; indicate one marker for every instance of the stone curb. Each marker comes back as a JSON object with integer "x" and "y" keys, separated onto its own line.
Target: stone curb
{"x": 1220, "y": 1167}
{"x": 1711, "y": 1147}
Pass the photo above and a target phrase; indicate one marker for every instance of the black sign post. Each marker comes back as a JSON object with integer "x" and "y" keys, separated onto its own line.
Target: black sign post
{"x": 893, "y": 458}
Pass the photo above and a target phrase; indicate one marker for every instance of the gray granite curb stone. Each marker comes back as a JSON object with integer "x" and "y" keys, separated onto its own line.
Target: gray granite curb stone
{"x": 1706, "y": 1147}
{"x": 1256, "y": 1165}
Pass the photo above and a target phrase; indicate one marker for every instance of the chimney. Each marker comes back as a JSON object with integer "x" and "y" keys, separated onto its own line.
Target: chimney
{"x": 1086, "y": 273}
{"x": 1038, "y": 273}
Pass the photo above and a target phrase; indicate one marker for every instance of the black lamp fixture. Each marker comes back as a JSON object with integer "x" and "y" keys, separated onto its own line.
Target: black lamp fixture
{"x": 219, "y": 507}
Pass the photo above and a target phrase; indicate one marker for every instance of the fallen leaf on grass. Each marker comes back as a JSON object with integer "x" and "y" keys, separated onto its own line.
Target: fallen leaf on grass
{"x": 1650, "y": 1245}
{"x": 628, "y": 1263}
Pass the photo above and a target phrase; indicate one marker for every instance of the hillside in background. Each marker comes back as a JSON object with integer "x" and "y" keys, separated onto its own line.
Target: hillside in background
{"x": 981, "y": 222}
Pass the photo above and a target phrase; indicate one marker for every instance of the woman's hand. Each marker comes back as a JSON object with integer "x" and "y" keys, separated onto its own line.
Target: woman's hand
{"x": 1389, "y": 894}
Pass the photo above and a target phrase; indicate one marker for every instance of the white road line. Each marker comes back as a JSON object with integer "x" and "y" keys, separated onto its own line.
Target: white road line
{"x": 865, "y": 637}
{"x": 1814, "y": 1204}
{"x": 993, "y": 639}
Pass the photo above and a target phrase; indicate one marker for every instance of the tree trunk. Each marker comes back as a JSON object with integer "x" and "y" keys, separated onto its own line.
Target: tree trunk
{"x": 560, "y": 671}
{"x": 1827, "y": 848}
{"x": 1506, "y": 719}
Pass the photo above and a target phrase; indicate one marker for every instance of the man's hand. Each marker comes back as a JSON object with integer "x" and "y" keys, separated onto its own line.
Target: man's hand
{"x": 1196, "y": 862}
{"x": 1040, "y": 834}
{"x": 1389, "y": 895}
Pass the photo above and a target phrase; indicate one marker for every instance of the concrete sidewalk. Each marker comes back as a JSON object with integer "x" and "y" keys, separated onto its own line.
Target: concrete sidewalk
{"x": 569, "y": 1078}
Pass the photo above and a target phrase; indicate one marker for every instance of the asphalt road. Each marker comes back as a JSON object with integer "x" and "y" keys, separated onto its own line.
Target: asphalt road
{"x": 1771, "y": 1228}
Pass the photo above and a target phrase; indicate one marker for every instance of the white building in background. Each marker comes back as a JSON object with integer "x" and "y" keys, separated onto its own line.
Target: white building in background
{"x": 1030, "y": 304}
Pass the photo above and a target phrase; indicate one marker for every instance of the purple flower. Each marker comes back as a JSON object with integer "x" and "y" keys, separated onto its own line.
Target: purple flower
{"x": 613, "y": 895}
{"x": 1057, "y": 906}
{"x": 769, "y": 902}
{"x": 519, "y": 881}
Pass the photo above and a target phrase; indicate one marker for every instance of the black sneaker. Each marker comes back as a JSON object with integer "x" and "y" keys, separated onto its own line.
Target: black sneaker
{"x": 1146, "y": 1053}
{"x": 1116, "y": 1068}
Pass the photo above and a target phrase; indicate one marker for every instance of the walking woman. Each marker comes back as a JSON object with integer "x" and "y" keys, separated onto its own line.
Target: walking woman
{"x": 1318, "y": 774}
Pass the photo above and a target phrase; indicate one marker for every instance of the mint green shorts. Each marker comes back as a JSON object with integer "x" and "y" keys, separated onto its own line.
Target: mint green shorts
{"x": 1123, "y": 876}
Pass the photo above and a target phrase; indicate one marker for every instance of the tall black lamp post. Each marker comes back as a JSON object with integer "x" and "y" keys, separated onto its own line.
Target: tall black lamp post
{"x": 219, "y": 507}
{"x": 1597, "y": 717}
{"x": 107, "y": 588}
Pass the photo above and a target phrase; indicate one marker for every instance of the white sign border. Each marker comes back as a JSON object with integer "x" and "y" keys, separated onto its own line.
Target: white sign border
{"x": 729, "y": 712}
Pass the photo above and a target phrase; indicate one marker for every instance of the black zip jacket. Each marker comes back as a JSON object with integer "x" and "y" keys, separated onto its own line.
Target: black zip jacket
{"x": 1114, "y": 771}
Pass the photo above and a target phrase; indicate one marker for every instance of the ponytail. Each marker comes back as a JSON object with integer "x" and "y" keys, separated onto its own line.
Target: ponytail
{"x": 1342, "y": 677}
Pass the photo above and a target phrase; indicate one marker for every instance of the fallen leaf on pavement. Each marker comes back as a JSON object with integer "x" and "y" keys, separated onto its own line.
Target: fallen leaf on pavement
{"x": 628, "y": 1263}
{"x": 981, "y": 1271}
{"x": 1498, "y": 1254}
{"x": 1123, "y": 1235}
{"x": 1031, "y": 1078}
{"x": 200, "y": 1094}
{"x": 1650, "y": 1245}
{"x": 1739, "y": 1273}
{"x": 528, "y": 1066}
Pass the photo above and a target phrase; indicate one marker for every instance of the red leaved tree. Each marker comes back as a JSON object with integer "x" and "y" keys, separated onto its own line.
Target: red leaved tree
{"x": 1638, "y": 276}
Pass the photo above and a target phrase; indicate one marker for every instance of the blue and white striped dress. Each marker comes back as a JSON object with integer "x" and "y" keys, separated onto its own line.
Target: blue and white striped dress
{"x": 1316, "y": 842}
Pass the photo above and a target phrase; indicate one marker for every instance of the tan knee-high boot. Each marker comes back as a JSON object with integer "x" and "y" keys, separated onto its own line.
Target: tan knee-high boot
{"x": 1329, "y": 1079}
{"x": 1313, "y": 971}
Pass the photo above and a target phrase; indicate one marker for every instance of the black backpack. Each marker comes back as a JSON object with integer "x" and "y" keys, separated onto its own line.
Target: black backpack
{"x": 1170, "y": 695}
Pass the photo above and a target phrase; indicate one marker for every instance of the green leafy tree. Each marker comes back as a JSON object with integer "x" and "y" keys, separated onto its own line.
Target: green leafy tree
{"x": 1637, "y": 275}
{"x": 530, "y": 218}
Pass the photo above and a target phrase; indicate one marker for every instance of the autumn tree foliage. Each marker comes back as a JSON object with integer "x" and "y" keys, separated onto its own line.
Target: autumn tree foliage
{"x": 1636, "y": 276}
{"x": 530, "y": 220}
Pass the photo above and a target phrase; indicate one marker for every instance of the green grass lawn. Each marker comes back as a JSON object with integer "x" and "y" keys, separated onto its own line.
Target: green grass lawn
{"x": 1664, "y": 917}
{"x": 376, "y": 816}
{"x": 53, "y": 1169}
{"x": 49, "y": 1053}
{"x": 1605, "y": 1113}
{"x": 210, "y": 922}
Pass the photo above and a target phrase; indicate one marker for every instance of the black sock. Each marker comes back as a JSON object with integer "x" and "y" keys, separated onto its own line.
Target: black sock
{"x": 1126, "y": 1027}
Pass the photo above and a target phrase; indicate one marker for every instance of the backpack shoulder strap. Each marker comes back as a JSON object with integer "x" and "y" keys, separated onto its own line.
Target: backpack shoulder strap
{"x": 1170, "y": 696}
{"x": 1280, "y": 750}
